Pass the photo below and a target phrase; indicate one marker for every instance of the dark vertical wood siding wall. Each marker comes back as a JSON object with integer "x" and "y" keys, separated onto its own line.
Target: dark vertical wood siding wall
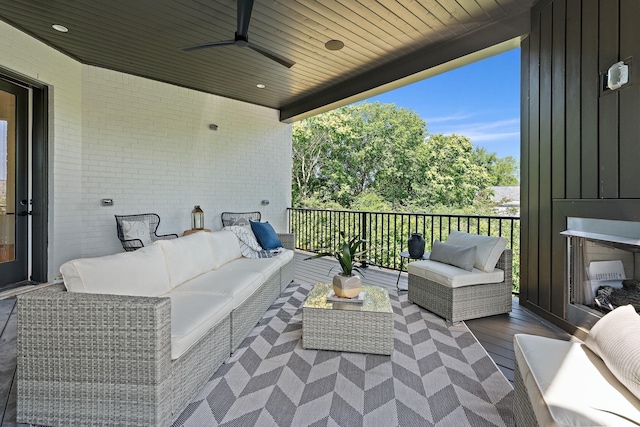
{"x": 579, "y": 142}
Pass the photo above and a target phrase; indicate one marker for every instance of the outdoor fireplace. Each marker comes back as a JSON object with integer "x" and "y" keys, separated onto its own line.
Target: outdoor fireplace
{"x": 603, "y": 262}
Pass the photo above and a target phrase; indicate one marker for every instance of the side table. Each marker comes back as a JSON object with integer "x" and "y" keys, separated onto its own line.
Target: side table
{"x": 405, "y": 255}
{"x": 187, "y": 232}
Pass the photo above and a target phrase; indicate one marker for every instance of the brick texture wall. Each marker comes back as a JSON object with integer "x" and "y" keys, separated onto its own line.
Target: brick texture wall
{"x": 146, "y": 145}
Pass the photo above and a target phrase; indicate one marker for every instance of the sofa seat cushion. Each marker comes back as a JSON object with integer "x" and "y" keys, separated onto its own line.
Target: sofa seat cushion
{"x": 451, "y": 276}
{"x": 238, "y": 285}
{"x": 266, "y": 266}
{"x": 569, "y": 385}
{"x": 186, "y": 257}
{"x": 139, "y": 273}
{"x": 192, "y": 315}
{"x": 284, "y": 256}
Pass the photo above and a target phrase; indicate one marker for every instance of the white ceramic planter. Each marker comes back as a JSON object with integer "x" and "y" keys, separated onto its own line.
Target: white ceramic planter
{"x": 347, "y": 286}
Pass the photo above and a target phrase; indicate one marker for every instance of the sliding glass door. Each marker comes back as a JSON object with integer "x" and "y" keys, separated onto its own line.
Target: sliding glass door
{"x": 14, "y": 176}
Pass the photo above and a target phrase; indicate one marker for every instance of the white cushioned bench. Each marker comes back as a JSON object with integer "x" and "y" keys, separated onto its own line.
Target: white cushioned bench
{"x": 562, "y": 383}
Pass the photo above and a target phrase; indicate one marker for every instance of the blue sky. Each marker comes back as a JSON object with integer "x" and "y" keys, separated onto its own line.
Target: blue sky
{"x": 480, "y": 101}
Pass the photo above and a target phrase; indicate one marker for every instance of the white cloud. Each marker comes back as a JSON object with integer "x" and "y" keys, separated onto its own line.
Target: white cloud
{"x": 486, "y": 131}
{"x": 444, "y": 119}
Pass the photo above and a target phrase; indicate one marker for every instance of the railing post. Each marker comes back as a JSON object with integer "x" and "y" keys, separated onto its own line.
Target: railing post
{"x": 363, "y": 235}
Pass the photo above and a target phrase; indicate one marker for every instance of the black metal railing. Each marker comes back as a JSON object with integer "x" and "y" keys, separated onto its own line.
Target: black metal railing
{"x": 386, "y": 233}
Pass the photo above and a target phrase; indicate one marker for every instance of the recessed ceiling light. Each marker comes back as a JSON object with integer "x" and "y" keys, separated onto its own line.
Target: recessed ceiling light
{"x": 260, "y": 86}
{"x": 334, "y": 45}
{"x": 60, "y": 28}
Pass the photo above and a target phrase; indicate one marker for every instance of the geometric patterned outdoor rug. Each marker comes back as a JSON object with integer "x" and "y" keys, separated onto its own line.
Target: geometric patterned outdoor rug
{"x": 438, "y": 375}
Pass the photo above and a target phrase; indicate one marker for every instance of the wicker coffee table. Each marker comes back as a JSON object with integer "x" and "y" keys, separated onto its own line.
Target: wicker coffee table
{"x": 344, "y": 326}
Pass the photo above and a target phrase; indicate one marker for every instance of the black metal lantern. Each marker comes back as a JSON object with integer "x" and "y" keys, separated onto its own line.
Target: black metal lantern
{"x": 197, "y": 218}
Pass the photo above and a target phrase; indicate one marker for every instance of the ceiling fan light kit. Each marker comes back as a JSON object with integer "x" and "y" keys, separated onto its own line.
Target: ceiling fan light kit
{"x": 241, "y": 38}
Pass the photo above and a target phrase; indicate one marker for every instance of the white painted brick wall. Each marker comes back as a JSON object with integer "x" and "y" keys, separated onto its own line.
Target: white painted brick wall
{"x": 147, "y": 145}
{"x": 23, "y": 54}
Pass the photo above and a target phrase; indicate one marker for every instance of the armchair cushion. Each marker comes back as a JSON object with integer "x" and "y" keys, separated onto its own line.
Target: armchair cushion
{"x": 139, "y": 273}
{"x": 186, "y": 257}
{"x": 139, "y": 229}
{"x": 266, "y": 235}
{"x": 489, "y": 248}
{"x": 451, "y": 276}
{"x": 458, "y": 256}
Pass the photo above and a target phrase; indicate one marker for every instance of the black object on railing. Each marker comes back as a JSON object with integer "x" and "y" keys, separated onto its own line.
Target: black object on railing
{"x": 386, "y": 233}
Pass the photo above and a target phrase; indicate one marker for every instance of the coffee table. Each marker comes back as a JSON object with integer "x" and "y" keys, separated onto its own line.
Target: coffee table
{"x": 345, "y": 326}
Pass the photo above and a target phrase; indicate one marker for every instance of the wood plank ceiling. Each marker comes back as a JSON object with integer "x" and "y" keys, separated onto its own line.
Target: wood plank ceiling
{"x": 144, "y": 37}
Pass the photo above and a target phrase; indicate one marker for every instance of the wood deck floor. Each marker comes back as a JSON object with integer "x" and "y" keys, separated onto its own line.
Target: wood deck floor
{"x": 495, "y": 333}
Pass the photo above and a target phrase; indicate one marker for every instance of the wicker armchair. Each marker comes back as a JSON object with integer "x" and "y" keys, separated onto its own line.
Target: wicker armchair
{"x": 239, "y": 218}
{"x": 133, "y": 244}
{"x": 465, "y": 302}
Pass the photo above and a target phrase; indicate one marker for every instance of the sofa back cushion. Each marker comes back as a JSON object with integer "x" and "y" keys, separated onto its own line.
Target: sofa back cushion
{"x": 616, "y": 339}
{"x": 139, "y": 273}
{"x": 225, "y": 247}
{"x": 187, "y": 257}
{"x": 488, "y": 250}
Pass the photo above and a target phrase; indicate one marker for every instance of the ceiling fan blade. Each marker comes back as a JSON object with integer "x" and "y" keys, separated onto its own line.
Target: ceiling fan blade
{"x": 206, "y": 45}
{"x": 271, "y": 55}
{"x": 244, "y": 16}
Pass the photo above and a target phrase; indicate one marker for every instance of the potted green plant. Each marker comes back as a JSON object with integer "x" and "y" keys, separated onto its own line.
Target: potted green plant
{"x": 346, "y": 284}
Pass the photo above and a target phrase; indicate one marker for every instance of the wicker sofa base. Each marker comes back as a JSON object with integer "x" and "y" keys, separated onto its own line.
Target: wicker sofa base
{"x": 105, "y": 360}
{"x": 463, "y": 303}
{"x": 193, "y": 369}
{"x": 76, "y": 367}
{"x": 245, "y": 316}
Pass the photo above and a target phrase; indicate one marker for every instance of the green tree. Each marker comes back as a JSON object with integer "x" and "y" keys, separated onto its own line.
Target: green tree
{"x": 372, "y": 156}
{"x": 502, "y": 170}
{"x": 358, "y": 148}
{"x": 450, "y": 175}
{"x": 312, "y": 142}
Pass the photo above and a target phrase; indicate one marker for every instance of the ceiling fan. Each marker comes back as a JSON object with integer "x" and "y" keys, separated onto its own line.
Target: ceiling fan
{"x": 241, "y": 38}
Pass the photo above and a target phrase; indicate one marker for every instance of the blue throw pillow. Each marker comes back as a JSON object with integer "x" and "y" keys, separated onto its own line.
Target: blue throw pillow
{"x": 266, "y": 235}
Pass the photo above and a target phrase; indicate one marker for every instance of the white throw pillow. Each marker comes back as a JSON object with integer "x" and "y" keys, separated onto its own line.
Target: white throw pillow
{"x": 616, "y": 339}
{"x": 138, "y": 273}
{"x": 489, "y": 248}
{"x": 187, "y": 257}
{"x": 244, "y": 233}
{"x": 225, "y": 247}
{"x": 137, "y": 230}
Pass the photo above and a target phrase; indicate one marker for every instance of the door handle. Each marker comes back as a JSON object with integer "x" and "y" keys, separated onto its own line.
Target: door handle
{"x": 25, "y": 213}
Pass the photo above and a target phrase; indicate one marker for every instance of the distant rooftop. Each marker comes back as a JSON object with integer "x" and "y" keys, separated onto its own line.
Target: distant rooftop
{"x": 506, "y": 196}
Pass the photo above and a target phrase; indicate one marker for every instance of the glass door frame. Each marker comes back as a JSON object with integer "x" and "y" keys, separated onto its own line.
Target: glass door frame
{"x": 39, "y": 169}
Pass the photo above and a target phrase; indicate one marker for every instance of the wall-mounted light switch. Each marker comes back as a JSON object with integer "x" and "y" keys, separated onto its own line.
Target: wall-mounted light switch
{"x": 107, "y": 202}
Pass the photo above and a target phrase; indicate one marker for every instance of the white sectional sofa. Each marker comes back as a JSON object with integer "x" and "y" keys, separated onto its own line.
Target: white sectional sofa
{"x": 131, "y": 338}
{"x": 595, "y": 383}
